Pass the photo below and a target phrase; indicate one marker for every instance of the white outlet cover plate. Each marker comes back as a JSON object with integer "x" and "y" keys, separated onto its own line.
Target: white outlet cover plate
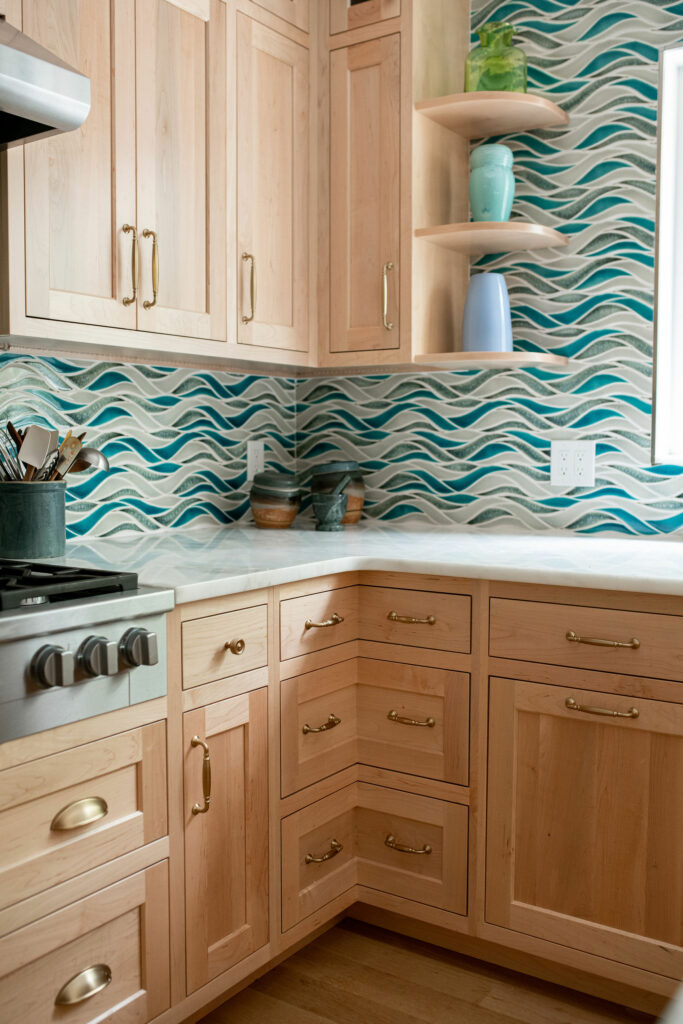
{"x": 256, "y": 458}
{"x": 572, "y": 463}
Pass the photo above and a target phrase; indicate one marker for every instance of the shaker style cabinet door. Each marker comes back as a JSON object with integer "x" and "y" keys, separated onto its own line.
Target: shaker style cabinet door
{"x": 272, "y": 189}
{"x": 226, "y": 834}
{"x": 347, "y": 14}
{"x": 585, "y": 821}
{"x": 80, "y": 186}
{"x": 181, "y": 166}
{"x": 296, "y": 12}
{"x": 365, "y": 198}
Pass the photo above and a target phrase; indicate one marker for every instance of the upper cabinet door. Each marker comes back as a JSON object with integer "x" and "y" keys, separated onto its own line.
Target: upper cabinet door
{"x": 293, "y": 11}
{"x": 365, "y": 196}
{"x": 181, "y": 184}
{"x": 80, "y": 186}
{"x": 272, "y": 189}
{"x": 346, "y": 14}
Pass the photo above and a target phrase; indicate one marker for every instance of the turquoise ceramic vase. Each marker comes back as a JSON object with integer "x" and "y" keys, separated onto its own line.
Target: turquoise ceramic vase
{"x": 492, "y": 183}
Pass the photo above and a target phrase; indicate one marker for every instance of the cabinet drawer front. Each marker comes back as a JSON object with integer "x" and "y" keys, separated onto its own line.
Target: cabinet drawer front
{"x": 316, "y": 621}
{"x": 122, "y": 931}
{"x": 416, "y": 618}
{"x": 220, "y": 646}
{"x": 412, "y": 846}
{"x": 294, "y": 11}
{"x": 72, "y": 811}
{"x": 559, "y": 634}
{"x": 344, "y": 15}
{"x": 414, "y": 719}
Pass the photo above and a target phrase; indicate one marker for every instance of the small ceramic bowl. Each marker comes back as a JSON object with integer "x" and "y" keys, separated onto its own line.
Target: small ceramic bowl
{"x": 329, "y": 510}
{"x": 275, "y": 499}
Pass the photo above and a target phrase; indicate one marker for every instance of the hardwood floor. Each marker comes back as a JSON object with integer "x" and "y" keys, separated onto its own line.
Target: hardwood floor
{"x": 356, "y": 974}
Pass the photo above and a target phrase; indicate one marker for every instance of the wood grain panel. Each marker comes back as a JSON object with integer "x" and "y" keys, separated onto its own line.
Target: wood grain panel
{"x": 205, "y": 657}
{"x": 297, "y": 640}
{"x": 343, "y": 16}
{"x": 450, "y": 632}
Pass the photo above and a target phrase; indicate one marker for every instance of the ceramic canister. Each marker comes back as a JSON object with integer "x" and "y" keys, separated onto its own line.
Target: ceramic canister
{"x": 492, "y": 183}
{"x": 32, "y": 519}
{"x": 487, "y": 325}
{"x": 326, "y": 477}
{"x": 275, "y": 499}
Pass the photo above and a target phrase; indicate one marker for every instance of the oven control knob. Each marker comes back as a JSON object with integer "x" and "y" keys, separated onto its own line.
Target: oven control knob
{"x": 53, "y": 666}
{"x": 139, "y": 647}
{"x": 98, "y": 656}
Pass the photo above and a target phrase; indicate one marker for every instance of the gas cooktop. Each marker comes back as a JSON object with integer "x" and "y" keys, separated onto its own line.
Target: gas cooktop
{"x": 27, "y": 584}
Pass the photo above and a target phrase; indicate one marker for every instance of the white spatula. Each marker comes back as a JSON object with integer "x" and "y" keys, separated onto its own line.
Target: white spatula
{"x": 36, "y": 446}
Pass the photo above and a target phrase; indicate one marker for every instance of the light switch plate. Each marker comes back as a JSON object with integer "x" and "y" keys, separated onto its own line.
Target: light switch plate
{"x": 256, "y": 458}
{"x": 572, "y": 463}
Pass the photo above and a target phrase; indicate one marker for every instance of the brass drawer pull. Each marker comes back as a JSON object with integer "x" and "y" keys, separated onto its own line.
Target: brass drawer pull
{"x": 393, "y": 844}
{"x": 148, "y": 233}
{"x": 130, "y": 299}
{"x": 334, "y": 849}
{"x": 84, "y": 985}
{"x": 334, "y": 621}
{"x": 633, "y": 644}
{"x": 79, "y": 813}
{"x": 395, "y": 617}
{"x": 394, "y": 716}
{"x": 248, "y": 258}
{"x": 571, "y": 705}
{"x": 235, "y": 646}
{"x": 388, "y": 326}
{"x": 331, "y": 722}
{"x": 206, "y": 775}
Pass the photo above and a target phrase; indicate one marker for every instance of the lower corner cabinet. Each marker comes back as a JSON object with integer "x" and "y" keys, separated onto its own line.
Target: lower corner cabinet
{"x": 226, "y": 833}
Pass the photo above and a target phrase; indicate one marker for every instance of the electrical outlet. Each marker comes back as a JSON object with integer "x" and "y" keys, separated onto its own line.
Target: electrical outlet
{"x": 256, "y": 458}
{"x": 572, "y": 463}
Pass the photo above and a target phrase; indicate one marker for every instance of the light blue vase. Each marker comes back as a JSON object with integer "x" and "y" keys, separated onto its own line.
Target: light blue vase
{"x": 492, "y": 183}
{"x": 487, "y": 325}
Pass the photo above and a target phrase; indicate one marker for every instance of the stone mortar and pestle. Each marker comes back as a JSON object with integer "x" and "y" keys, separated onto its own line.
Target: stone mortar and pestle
{"x": 329, "y": 509}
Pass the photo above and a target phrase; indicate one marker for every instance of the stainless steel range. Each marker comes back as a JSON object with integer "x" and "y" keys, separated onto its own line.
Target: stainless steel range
{"x": 76, "y": 642}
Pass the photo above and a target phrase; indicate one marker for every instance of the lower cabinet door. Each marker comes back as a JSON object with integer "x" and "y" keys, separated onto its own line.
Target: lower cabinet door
{"x": 585, "y": 821}
{"x": 226, "y": 833}
{"x": 105, "y": 957}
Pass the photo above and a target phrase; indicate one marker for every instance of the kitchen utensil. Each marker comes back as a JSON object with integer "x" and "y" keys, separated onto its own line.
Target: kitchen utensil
{"x": 342, "y": 484}
{"x": 68, "y": 452}
{"x": 35, "y": 447}
{"x": 329, "y": 510}
{"x": 325, "y": 478}
{"x": 15, "y": 435}
{"x": 10, "y": 462}
{"x": 89, "y": 458}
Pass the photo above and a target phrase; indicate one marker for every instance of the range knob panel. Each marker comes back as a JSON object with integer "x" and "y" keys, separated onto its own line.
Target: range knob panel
{"x": 139, "y": 646}
{"x": 98, "y": 656}
{"x": 53, "y": 666}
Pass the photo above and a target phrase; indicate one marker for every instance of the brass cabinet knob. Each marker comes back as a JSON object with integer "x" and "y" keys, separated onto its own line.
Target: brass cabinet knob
{"x": 235, "y": 646}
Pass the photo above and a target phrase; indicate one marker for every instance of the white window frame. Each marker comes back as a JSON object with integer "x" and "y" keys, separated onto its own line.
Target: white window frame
{"x": 667, "y": 413}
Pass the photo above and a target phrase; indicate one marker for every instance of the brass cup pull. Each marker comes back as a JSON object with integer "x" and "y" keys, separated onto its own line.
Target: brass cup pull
{"x": 79, "y": 813}
{"x": 594, "y": 641}
{"x": 395, "y": 617}
{"x": 394, "y": 716}
{"x": 393, "y": 844}
{"x": 334, "y": 849}
{"x": 331, "y": 722}
{"x": 130, "y": 299}
{"x": 385, "y": 296}
{"x": 334, "y": 621}
{"x": 248, "y": 258}
{"x": 587, "y": 709}
{"x": 84, "y": 985}
{"x": 206, "y": 775}
{"x": 235, "y": 646}
{"x": 148, "y": 233}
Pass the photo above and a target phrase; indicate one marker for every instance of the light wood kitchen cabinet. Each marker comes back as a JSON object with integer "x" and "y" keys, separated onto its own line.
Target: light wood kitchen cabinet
{"x": 348, "y": 14}
{"x": 272, "y": 189}
{"x": 226, "y": 834}
{"x": 585, "y": 833}
{"x": 365, "y": 214}
{"x": 296, "y": 12}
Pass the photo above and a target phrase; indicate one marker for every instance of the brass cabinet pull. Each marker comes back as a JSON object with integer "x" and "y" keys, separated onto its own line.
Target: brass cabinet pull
{"x": 393, "y": 844}
{"x": 334, "y": 621}
{"x": 331, "y": 722}
{"x": 248, "y": 258}
{"x": 206, "y": 775}
{"x": 571, "y": 705}
{"x": 385, "y": 296}
{"x": 84, "y": 985}
{"x": 79, "y": 813}
{"x": 235, "y": 646}
{"x": 394, "y": 716}
{"x": 633, "y": 644}
{"x": 334, "y": 849}
{"x": 148, "y": 233}
{"x": 395, "y": 617}
{"x": 130, "y": 299}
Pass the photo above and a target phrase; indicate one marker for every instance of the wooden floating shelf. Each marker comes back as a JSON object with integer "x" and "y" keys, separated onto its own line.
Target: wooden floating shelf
{"x": 492, "y": 236}
{"x": 490, "y": 360}
{"x": 475, "y": 115}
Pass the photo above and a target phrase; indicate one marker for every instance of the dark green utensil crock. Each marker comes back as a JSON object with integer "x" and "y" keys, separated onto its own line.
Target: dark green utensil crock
{"x": 32, "y": 519}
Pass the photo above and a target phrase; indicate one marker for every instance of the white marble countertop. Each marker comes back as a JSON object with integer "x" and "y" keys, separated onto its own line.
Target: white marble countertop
{"x": 210, "y": 561}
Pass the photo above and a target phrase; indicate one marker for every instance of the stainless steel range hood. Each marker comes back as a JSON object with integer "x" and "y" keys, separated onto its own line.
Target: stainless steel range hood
{"x": 39, "y": 94}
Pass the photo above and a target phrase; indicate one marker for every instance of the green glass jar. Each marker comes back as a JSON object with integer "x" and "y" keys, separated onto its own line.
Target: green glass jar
{"x": 496, "y": 65}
